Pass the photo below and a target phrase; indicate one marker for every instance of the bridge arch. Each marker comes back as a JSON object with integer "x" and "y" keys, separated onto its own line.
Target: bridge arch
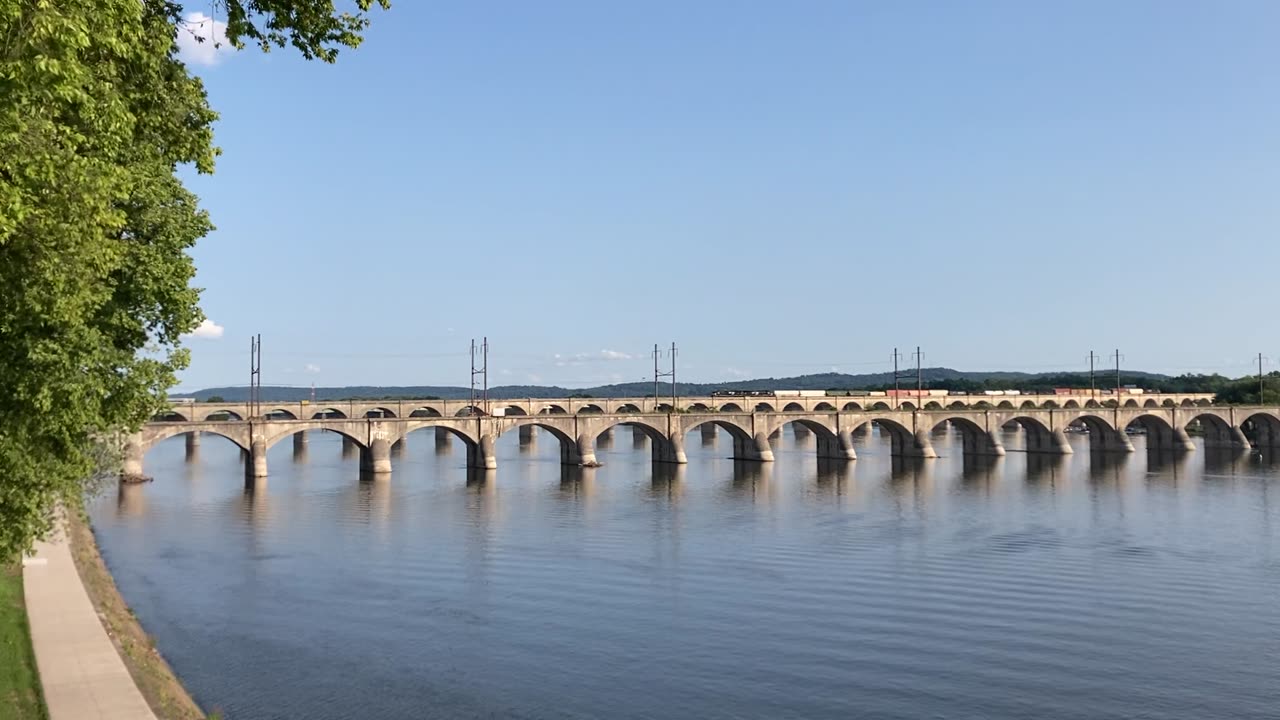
{"x": 222, "y": 415}
{"x": 568, "y": 444}
{"x": 1091, "y": 403}
{"x": 933, "y": 405}
{"x": 1004, "y": 405}
{"x": 379, "y": 412}
{"x": 1131, "y": 403}
{"x": 170, "y": 415}
{"x": 1049, "y": 405}
{"x": 552, "y": 409}
{"x": 154, "y": 435}
{"x": 1071, "y": 405}
{"x": 824, "y": 407}
{"x": 1150, "y": 403}
{"x": 1262, "y": 429}
{"x": 281, "y": 414}
{"x": 696, "y": 407}
{"x": 793, "y": 407}
{"x": 731, "y": 407}
{"x": 425, "y": 411}
{"x": 1027, "y": 405}
{"x": 852, "y": 407}
{"x": 907, "y": 405}
{"x": 764, "y": 407}
{"x": 881, "y": 406}
{"x": 957, "y": 405}
{"x": 590, "y": 409}
{"x": 514, "y": 411}
{"x": 901, "y": 438}
{"x": 282, "y": 432}
{"x": 328, "y": 412}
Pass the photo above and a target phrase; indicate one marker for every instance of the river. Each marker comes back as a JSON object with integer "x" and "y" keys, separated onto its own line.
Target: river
{"x": 1087, "y": 586}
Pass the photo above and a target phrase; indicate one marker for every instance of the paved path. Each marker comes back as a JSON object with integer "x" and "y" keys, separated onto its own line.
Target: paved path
{"x": 83, "y": 676}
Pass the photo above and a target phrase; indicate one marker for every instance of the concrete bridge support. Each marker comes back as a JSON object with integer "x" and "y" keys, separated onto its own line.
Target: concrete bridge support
{"x": 672, "y": 451}
{"x": 709, "y": 434}
{"x": 376, "y": 459}
{"x": 193, "y": 445}
{"x": 984, "y": 442}
{"x": 1109, "y": 440}
{"x": 481, "y": 456}
{"x": 300, "y": 442}
{"x": 527, "y": 435}
{"x": 255, "y": 464}
{"x": 638, "y": 437}
{"x": 444, "y": 441}
{"x": 605, "y": 439}
{"x": 397, "y": 447}
{"x": 801, "y": 432}
{"x": 1050, "y": 442}
{"x": 836, "y": 447}
{"x": 349, "y": 446}
{"x": 131, "y": 468}
{"x": 755, "y": 448}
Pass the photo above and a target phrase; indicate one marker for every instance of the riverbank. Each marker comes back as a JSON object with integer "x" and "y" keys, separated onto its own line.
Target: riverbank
{"x": 157, "y": 682}
{"x": 19, "y": 682}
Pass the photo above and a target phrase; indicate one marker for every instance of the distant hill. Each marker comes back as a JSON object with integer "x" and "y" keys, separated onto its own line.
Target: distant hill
{"x": 932, "y": 377}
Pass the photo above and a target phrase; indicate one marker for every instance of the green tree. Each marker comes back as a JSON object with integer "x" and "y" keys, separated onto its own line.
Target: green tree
{"x": 214, "y": 399}
{"x": 97, "y": 112}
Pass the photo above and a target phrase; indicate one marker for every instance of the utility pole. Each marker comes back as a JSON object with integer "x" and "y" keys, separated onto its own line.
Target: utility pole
{"x": 1260, "y": 387}
{"x": 1093, "y": 383}
{"x": 673, "y": 376}
{"x": 919, "y": 379}
{"x": 483, "y": 372}
{"x": 1117, "y": 357}
{"x": 313, "y": 392}
{"x": 657, "y": 375}
{"x": 255, "y": 375}
{"x": 896, "y": 357}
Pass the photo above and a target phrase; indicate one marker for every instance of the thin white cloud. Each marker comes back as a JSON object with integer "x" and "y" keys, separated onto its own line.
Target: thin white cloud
{"x": 202, "y": 40}
{"x": 583, "y": 358}
{"x": 207, "y": 330}
{"x": 311, "y": 368}
{"x": 735, "y": 372}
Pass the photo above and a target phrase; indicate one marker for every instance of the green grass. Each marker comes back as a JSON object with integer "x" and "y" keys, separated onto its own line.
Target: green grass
{"x": 19, "y": 682}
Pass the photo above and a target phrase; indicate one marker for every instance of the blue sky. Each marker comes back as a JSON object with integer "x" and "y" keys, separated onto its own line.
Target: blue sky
{"x": 780, "y": 188}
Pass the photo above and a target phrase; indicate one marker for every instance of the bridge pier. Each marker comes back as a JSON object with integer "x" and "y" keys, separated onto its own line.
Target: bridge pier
{"x": 444, "y": 441}
{"x": 376, "y": 458}
{"x": 1181, "y": 440}
{"x": 922, "y": 445}
{"x": 480, "y": 455}
{"x": 349, "y": 446}
{"x": 1052, "y": 442}
{"x": 605, "y": 439}
{"x": 1110, "y": 440}
{"x": 131, "y": 468}
{"x": 755, "y": 448}
{"x": 709, "y": 434}
{"x": 397, "y": 447}
{"x": 801, "y": 432}
{"x": 671, "y": 451}
{"x": 1238, "y": 438}
{"x": 837, "y": 447}
{"x": 193, "y": 445}
{"x": 638, "y": 437}
{"x": 986, "y": 442}
{"x": 255, "y": 463}
{"x": 527, "y": 435}
{"x": 300, "y": 442}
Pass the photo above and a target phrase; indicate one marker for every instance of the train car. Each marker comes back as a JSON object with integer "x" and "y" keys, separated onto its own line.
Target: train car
{"x": 993, "y": 392}
{"x": 813, "y": 393}
{"x": 786, "y": 393}
{"x": 877, "y": 393}
{"x": 937, "y": 393}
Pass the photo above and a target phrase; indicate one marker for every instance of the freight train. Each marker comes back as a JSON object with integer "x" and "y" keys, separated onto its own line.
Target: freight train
{"x": 909, "y": 393}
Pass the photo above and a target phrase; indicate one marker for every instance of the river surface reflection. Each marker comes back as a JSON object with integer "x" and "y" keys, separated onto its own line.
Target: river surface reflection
{"x": 1085, "y": 586}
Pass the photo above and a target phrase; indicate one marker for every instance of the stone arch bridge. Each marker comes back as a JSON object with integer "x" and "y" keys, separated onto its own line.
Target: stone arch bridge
{"x": 909, "y": 431}
{"x": 304, "y": 410}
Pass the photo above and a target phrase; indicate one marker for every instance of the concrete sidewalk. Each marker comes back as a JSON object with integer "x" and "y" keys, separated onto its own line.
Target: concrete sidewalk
{"x": 82, "y": 675}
